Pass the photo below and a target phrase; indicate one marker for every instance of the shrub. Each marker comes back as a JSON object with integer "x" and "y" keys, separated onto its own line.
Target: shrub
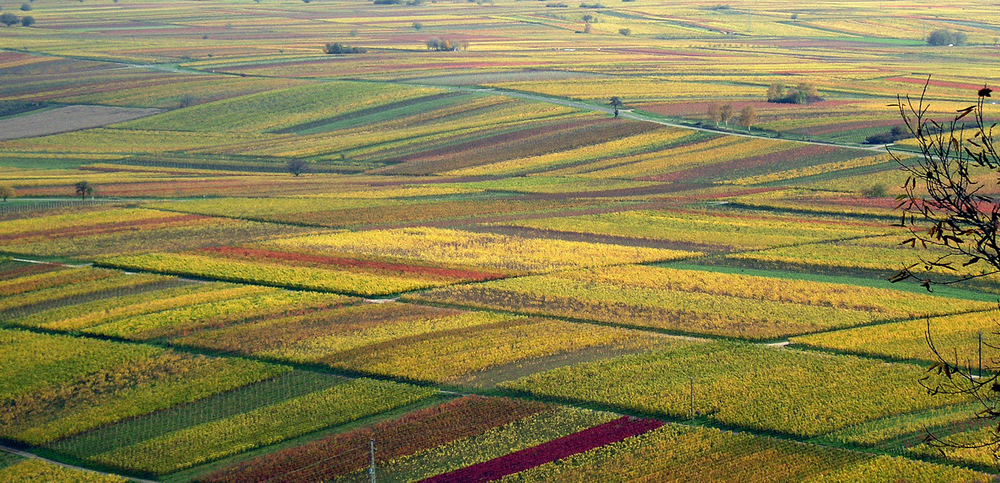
{"x": 803, "y": 93}
{"x": 625, "y": 32}
{"x": 25, "y": 7}
{"x": 446, "y": 45}
{"x": 339, "y": 48}
{"x": 895, "y": 134}
{"x": 946, "y": 37}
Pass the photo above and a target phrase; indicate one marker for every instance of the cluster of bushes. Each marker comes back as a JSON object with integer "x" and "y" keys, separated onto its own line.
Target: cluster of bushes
{"x": 10, "y": 19}
{"x": 946, "y": 37}
{"x": 803, "y": 93}
{"x": 894, "y": 134}
{"x": 446, "y": 45}
{"x": 339, "y": 48}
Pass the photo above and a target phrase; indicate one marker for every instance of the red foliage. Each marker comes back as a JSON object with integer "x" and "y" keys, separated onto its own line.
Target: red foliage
{"x": 24, "y": 270}
{"x": 348, "y": 452}
{"x": 322, "y": 260}
{"x": 937, "y": 83}
{"x": 572, "y": 444}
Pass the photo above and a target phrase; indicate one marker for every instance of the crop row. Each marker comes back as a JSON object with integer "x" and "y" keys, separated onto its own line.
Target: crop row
{"x": 751, "y": 386}
{"x": 117, "y": 231}
{"x": 610, "y": 149}
{"x": 263, "y": 271}
{"x": 54, "y": 386}
{"x": 956, "y": 334}
{"x": 417, "y": 431}
{"x": 343, "y": 213}
{"x": 717, "y": 229}
{"x": 279, "y": 108}
{"x": 205, "y": 442}
{"x": 517, "y": 435}
{"x": 590, "y": 438}
{"x": 698, "y": 301}
{"x": 398, "y": 339}
{"x": 33, "y": 469}
{"x": 684, "y": 453}
{"x": 470, "y": 249}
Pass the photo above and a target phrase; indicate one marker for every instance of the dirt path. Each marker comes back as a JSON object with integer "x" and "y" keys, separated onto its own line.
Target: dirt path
{"x": 68, "y": 118}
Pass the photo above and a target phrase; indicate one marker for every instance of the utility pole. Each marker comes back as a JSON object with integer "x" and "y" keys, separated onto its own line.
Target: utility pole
{"x": 371, "y": 459}
{"x": 691, "y": 410}
{"x": 980, "y": 354}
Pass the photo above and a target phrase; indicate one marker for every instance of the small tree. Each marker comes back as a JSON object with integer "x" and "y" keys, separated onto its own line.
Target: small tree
{"x": 9, "y": 19}
{"x": 748, "y": 117}
{"x": 715, "y": 113}
{"x": 726, "y": 113}
{"x": 25, "y": 7}
{"x": 7, "y": 192}
{"x": 27, "y": 21}
{"x": 417, "y": 25}
{"x": 84, "y": 189}
{"x": 616, "y": 104}
{"x": 625, "y": 32}
{"x": 775, "y": 92}
{"x": 297, "y": 167}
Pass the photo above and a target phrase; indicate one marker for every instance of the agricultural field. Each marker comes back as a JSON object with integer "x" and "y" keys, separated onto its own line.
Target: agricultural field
{"x": 484, "y": 241}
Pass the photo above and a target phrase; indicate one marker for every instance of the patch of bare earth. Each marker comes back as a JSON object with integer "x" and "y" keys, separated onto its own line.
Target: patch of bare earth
{"x": 68, "y": 118}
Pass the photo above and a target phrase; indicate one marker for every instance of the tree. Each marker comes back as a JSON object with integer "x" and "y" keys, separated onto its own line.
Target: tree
{"x": 446, "y": 45}
{"x": 616, "y": 104}
{"x": 944, "y": 37}
{"x": 775, "y": 92}
{"x": 804, "y": 93}
{"x": 25, "y": 7}
{"x": 715, "y": 113}
{"x": 417, "y": 25}
{"x": 297, "y": 167}
{"x": 748, "y": 117}
{"x": 726, "y": 113}
{"x": 947, "y": 209}
{"x": 9, "y": 19}
{"x": 7, "y": 192}
{"x": 84, "y": 189}
{"x": 339, "y": 48}
{"x": 625, "y": 32}
{"x": 27, "y": 21}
